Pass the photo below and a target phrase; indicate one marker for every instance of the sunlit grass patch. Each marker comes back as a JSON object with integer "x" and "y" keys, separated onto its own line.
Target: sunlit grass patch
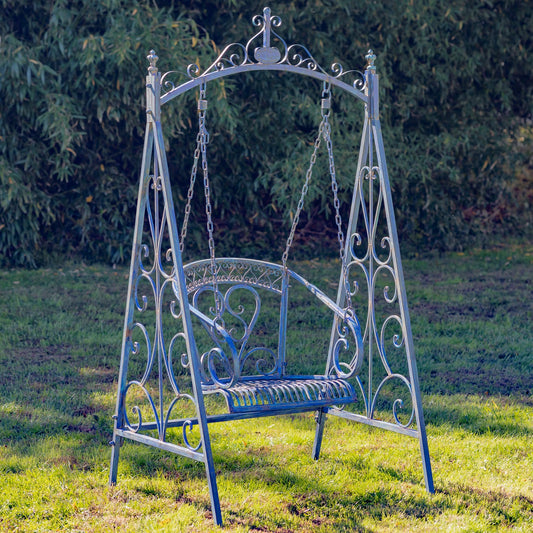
{"x": 59, "y": 357}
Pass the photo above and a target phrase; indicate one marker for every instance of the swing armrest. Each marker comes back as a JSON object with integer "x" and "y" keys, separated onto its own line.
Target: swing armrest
{"x": 347, "y": 325}
{"x": 204, "y": 318}
{"x": 326, "y": 300}
{"x": 216, "y": 357}
{"x": 210, "y": 322}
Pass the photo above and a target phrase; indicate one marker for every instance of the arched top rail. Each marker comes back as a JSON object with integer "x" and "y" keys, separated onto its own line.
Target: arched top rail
{"x": 253, "y": 67}
{"x": 266, "y": 51}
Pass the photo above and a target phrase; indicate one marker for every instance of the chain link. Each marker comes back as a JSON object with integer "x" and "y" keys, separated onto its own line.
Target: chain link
{"x": 190, "y": 193}
{"x": 324, "y": 131}
{"x": 338, "y": 219}
{"x": 202, "y": 106}
{"x": 305, "y": 188}
{"x": 202, "y": 140}
{"x": 201, "y": 137}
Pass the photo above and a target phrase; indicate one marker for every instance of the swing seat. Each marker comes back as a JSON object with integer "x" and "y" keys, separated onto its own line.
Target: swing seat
{"x": 291, "y": 393}
{"x": 224, "y": 371}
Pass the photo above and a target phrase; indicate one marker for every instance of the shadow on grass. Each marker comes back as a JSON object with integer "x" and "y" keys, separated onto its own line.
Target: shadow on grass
{"x": 494, "y": 380}
{"x": 315, "y": 499}
{"x": 49, "y": 392}
{"x": 318, "y": 500}
{"x": 479, "y": 415}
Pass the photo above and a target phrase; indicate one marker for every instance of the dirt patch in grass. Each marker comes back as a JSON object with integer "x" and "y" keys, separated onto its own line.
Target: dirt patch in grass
{"x": 53, "y": 365}
{"x": 483, "y": 295}
{"x": 485, "y": 381}
{"x": 37, "y": 355}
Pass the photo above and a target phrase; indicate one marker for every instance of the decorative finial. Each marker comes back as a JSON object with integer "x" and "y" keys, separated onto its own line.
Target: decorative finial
{"x": 370, "y": 58}
{"x": 152, "y": 58}
{"x": 267, "y": 54}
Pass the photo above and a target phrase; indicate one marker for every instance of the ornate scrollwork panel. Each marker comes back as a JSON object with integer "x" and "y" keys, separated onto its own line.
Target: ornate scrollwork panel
{"x": 396, "y": 403}
{"x": 348, "y": 343}
{"x": 230, "y": 331}
{"x": 266, "y": 47}
{"x": 371, "y": 263}
{"x": 163, "y": 386}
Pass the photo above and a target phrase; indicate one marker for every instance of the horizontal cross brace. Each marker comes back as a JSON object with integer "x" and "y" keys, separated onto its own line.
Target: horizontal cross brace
{"x": 162, "y": 445}
{"x": 372, "y": 422}
{"x": 188, "y": 85}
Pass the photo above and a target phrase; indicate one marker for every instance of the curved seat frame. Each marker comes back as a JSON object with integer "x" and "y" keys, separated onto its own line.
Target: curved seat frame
{"x": 163, "y": 310}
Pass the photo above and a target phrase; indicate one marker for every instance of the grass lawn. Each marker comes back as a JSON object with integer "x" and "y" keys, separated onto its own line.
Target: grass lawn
{"x": 471, "y": 316}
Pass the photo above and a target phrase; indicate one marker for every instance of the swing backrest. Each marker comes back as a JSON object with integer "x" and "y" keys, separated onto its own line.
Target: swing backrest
{"x": 237, "y": 346}
{"x": 244, "y": 288}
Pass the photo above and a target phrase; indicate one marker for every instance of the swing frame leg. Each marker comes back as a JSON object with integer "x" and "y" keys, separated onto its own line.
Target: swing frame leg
{"x": 320, "y": 418}
{"x": 212, "y": 482}
{"x": 116, "y": 443}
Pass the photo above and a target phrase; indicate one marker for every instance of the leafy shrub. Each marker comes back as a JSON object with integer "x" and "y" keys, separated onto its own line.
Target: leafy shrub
{"x": 456, "y": 100}
{"x": 72, "y": 124}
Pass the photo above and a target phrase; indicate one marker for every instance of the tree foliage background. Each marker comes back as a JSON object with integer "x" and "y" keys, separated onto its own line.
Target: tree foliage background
{"x": 456, "y": 96}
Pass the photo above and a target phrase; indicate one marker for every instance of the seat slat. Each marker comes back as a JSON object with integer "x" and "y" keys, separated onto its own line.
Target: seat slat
{"x": 307, "y": 393}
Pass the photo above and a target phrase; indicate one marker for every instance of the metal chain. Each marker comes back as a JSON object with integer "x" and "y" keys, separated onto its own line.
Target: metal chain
{"x": 305, "y": 188}
{"x": 202, "y": 107}
{"x": 200, "y": 138}
{"x": 324, "y": 131}
{"x": 337, "y": 205}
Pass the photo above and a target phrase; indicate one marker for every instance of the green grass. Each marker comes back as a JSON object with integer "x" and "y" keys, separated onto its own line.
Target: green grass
{"x": 471, "y": 316}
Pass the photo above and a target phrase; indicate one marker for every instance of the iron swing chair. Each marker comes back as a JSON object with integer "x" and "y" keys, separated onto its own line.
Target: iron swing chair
{"x": 164, "y": 293}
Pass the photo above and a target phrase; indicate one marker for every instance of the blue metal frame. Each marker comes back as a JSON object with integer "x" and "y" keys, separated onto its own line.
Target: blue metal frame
{"x": 164, "y": 294}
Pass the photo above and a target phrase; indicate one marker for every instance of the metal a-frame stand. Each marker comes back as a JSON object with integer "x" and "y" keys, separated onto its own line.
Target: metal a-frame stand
{"x": 158, "y": 219}
{"x": 361, "y": 249}
{"x": 158, "y": 339}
